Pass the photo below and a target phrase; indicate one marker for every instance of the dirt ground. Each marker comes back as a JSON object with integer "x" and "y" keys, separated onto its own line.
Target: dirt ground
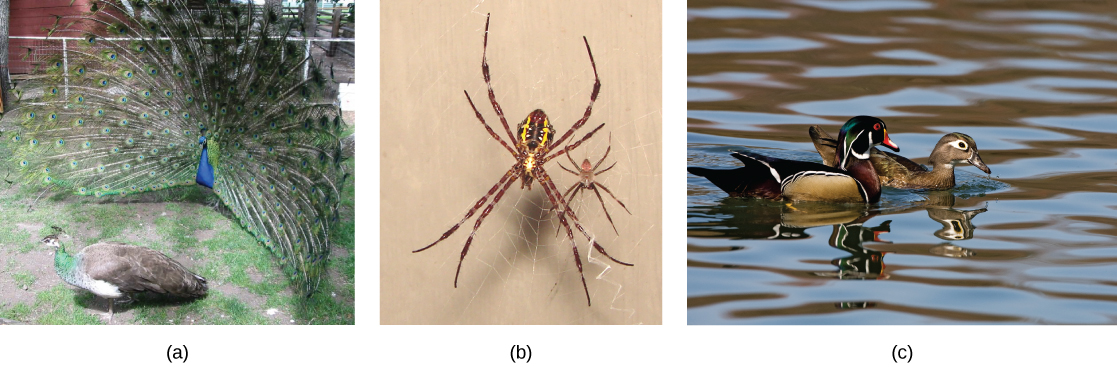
{"x": 21, "y": 254}
{"x": 39, "y": 261}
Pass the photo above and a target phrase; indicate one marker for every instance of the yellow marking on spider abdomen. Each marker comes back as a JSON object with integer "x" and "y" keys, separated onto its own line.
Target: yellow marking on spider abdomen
{"x": 535, "y": 132}
{"x": 523, "y": 130}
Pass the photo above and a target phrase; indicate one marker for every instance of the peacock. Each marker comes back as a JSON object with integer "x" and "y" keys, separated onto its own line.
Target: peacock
{"x": 115, "y": 270}
{"x": 148, "y": 96}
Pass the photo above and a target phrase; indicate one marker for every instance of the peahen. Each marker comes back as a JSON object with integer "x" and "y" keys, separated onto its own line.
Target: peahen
{"x": 154, "y": 96}
{"x": 114, "y": 270}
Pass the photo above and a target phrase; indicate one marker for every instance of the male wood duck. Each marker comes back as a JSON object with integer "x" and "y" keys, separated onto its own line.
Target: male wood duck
{"x": 853, "y": 180}
{"x": 902, "y": 173}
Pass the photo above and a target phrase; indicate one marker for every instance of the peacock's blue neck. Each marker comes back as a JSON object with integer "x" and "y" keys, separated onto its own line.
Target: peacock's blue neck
{"x": 205, "y": 169}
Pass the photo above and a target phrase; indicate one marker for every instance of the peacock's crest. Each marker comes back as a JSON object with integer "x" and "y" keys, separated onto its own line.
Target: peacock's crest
{"x": 149, "y": 96}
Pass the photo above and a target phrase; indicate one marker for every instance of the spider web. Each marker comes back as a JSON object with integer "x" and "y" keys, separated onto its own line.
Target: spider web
{"x": 532, "y": 246}
{"x": 530, "y": 232}
{"x": 521, "y": 253}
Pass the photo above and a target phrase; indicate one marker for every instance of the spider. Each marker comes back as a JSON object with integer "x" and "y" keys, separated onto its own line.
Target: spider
{"x": 533, "y": 148}
{"x": 586, "y": 181}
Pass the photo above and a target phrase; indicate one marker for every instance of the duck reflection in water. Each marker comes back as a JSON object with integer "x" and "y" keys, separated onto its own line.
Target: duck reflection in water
{"x": 862, "y": 263}
{"x": 764, "y": 219}
{"x": 957, "y": 224}
{"x": 736, "y": 218}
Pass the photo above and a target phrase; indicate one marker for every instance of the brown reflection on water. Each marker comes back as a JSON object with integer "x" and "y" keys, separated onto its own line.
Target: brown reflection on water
{"x": 1035, "y": 84}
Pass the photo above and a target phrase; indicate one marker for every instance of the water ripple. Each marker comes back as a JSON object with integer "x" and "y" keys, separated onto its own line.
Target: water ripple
{"x": 1041, "y": 89}
{"x": 866, "y": 5}
{"x": 729, "y": 12}
{"x": 742, "y": 45}
{"x": 878, "y": 105}
{"x": 757, "y": 79}
{"x": 1034, "y": 84}
{"x": 942, "y": 66}
{"x": 1043, "y": 15}
{"x": 1099, "y": 122}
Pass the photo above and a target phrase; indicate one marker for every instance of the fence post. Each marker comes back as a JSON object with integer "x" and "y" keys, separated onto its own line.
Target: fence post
{"x": 335, "y": 32}
{"x": 306, "y": 63}
{"x": 299, "y": 13}
{"x": 65, "y": 70}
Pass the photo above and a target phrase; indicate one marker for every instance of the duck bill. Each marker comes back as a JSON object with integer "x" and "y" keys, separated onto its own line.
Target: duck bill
{"x": 888, "y": 142}
{"x": 975, "y": 160}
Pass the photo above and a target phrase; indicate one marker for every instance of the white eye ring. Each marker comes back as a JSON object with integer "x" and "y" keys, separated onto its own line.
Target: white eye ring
{"x": 960, "y": 144}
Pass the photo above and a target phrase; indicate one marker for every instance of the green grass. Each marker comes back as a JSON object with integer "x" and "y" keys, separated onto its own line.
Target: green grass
{"x": 186, "y": 223}
{"x": 61, "y": 305}
{"x": 10, "y": 235}
{"x": 23, "y": 279}
{"x": 18, "y": 312}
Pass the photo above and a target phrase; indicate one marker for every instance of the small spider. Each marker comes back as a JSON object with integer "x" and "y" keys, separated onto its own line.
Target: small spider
{"x": 532, "y": 147}
{"x": 586, "y": 181}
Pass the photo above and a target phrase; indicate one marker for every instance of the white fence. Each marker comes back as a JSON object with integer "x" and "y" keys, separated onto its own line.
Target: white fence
{"x": 36, "y": 52}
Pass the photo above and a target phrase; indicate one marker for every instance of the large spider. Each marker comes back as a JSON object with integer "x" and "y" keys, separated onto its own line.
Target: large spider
{"x": 532, "y": 150}
{"x": 586, "y": 181}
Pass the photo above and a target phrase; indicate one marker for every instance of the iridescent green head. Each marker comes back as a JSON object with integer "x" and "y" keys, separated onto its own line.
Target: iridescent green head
{"x": 859, "y": 135}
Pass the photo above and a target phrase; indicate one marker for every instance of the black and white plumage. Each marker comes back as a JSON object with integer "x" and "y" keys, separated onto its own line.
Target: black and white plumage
{"x": 115, "y": 270}
{"x": 775, "y": 178}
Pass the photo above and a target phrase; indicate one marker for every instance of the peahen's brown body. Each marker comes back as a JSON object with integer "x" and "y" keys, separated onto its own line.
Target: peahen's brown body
{"x": 115, "y": 270}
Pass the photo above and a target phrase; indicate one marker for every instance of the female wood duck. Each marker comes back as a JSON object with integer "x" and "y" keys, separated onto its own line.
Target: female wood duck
{"x": 902, "y": 173}
{"x": 853, "y": 180}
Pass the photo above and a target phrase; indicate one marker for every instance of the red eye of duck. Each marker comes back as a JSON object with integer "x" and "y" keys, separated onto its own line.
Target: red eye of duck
{"x": 877, "y": 126}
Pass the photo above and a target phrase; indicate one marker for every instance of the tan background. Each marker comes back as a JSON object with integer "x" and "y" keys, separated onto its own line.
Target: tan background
{"x": 437, "y": 160}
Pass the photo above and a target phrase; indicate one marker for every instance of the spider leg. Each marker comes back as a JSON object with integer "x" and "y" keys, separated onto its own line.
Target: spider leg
{"x": 602, "y": 201}
{"x": 573, "y": 190}
{"x": 492, "y": 96}
{"x": 602, "y": 160}
{"x": 551, "y": 190}
{"x": 611, "y": 194}
{"x": 509, "y": 174}
{"x": 571, "y": 159}
{"x": 571, "y": 187}
{"x": 602, "y": 251}
{"x": 569, "y": 170}
{"x": 477, "y": 224}
{"x": 549, "y": 184}
{"x": 489, "y": 129}
{"x": 593, "y": 97}
{"x": 604, "y": 170}
{"x": 571, "y": 146}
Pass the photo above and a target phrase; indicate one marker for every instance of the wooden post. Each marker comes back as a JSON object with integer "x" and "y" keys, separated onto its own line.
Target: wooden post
{"x": 335, "y": 32}
{"x": 310, "y": 18}
{"x": 5, "y": 81}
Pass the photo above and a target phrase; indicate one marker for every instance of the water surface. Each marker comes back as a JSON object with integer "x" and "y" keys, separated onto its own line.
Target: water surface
{"x": 1035, "y": 85}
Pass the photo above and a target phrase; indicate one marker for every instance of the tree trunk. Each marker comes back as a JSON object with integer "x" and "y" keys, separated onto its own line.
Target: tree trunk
{"x": 5, "y": 82}
{"x": 310, "y": 18}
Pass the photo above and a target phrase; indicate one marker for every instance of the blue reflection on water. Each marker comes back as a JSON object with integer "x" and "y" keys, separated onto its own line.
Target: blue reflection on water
{"x": 729, "y": 12}
{"x": 866, "y": 5}
{"x": 741, "y": 45}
